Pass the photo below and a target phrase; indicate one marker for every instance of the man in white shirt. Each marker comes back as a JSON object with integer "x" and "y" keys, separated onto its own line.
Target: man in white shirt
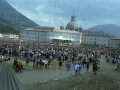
{"x": 76, "y": 69}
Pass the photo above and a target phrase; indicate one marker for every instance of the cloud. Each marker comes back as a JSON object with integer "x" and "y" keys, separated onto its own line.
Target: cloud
{"x": 56, "y": 12}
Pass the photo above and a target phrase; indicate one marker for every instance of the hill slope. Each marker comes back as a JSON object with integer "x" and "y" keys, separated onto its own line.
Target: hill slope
{"x": 11, "y": 16}
{"x": 108, "y": 28}
{"x": 5, "y": 29}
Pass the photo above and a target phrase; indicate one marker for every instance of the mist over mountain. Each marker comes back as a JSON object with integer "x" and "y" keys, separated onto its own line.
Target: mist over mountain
{"x": 88, "y": 13}
{"x": 108, "y": 28}
{"x": 10, "y": 16}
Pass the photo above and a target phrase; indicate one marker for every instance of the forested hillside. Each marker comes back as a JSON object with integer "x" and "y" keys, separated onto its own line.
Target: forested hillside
{"x": 5, "y": 29}
{"x": 11, "y": 16}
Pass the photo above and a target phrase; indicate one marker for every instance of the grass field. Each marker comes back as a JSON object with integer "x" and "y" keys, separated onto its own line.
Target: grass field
{"x": 102, "y": 81}
{"x": 106, "y": 79}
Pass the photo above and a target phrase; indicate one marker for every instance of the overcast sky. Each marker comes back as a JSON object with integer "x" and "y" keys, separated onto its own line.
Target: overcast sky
{"x": 55, "y": 12}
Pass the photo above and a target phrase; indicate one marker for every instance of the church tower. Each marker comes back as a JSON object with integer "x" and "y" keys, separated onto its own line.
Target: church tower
{"x": 72, "y": 25}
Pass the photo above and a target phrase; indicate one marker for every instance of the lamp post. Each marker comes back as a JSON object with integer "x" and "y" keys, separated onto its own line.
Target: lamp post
{"x": 109, "y": 42}
{"x": 20, "y": 38}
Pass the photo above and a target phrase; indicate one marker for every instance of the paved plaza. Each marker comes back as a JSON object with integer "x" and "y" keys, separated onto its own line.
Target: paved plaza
{"x": 31, "y": 75}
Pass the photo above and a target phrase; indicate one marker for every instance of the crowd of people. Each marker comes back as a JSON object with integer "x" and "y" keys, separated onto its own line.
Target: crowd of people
{"x": 43, "y": 54}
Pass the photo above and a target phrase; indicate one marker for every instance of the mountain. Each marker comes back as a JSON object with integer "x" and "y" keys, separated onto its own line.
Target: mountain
{"x": 108, "y": 28}
{"x": 11, "y": 16}
{"x": 6, "y": 29}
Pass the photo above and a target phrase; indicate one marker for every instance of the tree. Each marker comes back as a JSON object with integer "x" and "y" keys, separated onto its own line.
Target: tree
{"x": 5, "y": 29}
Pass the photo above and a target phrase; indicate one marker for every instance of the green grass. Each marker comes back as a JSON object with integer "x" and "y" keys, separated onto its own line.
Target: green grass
{"x": 101, "y": 81}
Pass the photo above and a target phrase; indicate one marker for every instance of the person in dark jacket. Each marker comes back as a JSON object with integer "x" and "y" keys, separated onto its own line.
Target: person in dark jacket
{"x": 94, "y": 68}
{"x": 87, "y": 66}
{"x": 60, "y": 64}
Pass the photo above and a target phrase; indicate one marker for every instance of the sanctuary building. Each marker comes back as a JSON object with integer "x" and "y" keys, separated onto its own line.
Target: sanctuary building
{"x": 71, "y": 35}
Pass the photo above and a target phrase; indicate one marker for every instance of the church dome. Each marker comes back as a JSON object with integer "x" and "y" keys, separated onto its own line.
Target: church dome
{"x": 73, "y": 24}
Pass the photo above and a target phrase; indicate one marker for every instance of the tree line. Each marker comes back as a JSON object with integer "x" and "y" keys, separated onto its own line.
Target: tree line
{"x": 6, "y": 29}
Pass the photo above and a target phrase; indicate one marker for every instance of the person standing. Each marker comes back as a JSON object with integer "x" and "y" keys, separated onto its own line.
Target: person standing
{"x": 76, "y": 69}
{"x": 19, "y": 67}
{"x": 15, "y": 64}
{"x": 60, "y": 64}
{"x": 80, "y": 67}
{"x": 87, "y": 66}
{"x": 68, "y": 65}
{"x": 94, "y": 68}
{"x": 27, "y": 57}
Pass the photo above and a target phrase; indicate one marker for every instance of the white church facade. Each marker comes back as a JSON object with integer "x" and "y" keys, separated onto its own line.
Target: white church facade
{"x": 52, "y": 36}
{"x": 71, "y": 35}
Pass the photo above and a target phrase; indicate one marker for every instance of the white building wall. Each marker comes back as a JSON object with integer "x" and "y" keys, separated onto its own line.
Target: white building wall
{"x": 96, "y": 37}
{"x": 44, "y": 36}
{"x": 89, "y": 39}
{"x": 114, "y": 43}
{"x": 95, "y": 40}
{"x": 41, "y": 36}
{"x": 9, "y": 35}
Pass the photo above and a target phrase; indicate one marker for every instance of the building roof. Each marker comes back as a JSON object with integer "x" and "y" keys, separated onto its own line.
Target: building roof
{"x": 67, "y": 31}
{"x": 55, "y": 30}
{"x": 116, "y": 38}
{"x": 96, "y": 33}
{"x": 29, "y": 29}
{"x": 41, "y": 28}
{"x": 44, "y": 28}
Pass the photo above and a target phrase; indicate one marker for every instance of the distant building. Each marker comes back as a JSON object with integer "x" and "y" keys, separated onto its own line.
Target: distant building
{"x": 71, "y": 35}
{"x": 52, "y": 35}
{"x": 46, "y": 34}
{"x": 12, "y": 36}
{"x": 115, "y": 42}
{"x": 95, "y": 37}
